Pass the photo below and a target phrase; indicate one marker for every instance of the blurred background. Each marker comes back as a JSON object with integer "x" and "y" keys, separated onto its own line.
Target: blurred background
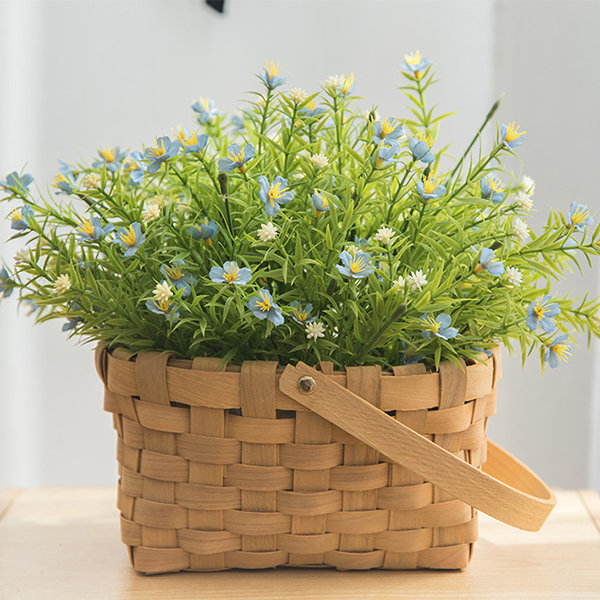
{"x": 78, "y": 75}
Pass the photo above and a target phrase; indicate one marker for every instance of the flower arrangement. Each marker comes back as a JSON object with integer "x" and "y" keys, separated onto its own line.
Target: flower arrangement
{"x": 304, "y": 229}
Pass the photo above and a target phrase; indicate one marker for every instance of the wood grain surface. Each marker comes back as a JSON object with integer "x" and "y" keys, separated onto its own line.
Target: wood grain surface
{"x": 64, "y": 544}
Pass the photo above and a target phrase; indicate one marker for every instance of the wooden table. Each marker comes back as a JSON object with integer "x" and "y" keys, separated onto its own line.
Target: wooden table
{"x": 64, "y": 543}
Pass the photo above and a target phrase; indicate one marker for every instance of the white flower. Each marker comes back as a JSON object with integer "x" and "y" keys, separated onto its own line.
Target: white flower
{"x": 315, "y": 330}
{"x": 298, "y": 95}
{"x": 513, "y": 276}
{"x": 319, "y": 161}
{"x": 162, "y": 292}
{"x": 160, "y": 201}
{"x": 527, "y": 185}
{"x": 520, "y": 230}
{"x": 22, "y": 256}
{"x": 398, "y": 284}
{"x": 183, "y": 206}
{"x": 416, "y": 280}
{"x": 267, "y": 232}
{"x": 334, "y": 82}
{"x": 524, "y": 201}
{"x": 62, "y": 284}
{"x": 384, "y": 235}
{"x": 296, "y": 176}
{"x": 151, "y": 212}
{"x": 596, "y": 320}
{"x": 91, "y": 181}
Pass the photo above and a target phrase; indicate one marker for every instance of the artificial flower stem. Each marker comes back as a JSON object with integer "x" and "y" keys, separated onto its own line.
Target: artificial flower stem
{"x": 263, "y": 122}
{"x": 223, "y": 185}
{"x": 377, "y": 336}
{"x": 487, "y": 119}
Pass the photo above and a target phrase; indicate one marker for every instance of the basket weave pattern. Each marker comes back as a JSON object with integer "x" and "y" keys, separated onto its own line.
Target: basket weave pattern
{"x": 219, "y": 469}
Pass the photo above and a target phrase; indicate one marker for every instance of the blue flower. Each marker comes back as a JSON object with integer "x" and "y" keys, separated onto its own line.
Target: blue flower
{"x": 488, "y": 263}
{"x": 415, "y": 62}
{"x": 237, "y": 158}
{"x": 390, "y": 129}
{"x": 270, "y": 75}
{"x": 386, "y": 153}
{"x": 91, "y": 230}
{"x": 190, "y": 140}
{"x": 72, "y": 321}
{"x": 579, "y": 216}
{"x": 310, "y": 110}
{"x": 205, "y": 107}
{"x": 356, "y": 264}
{"x": 165, "y": 307}
{"x": 361, "y": 242}
{"x": 539, "y": 313}
{"x": 162, "y": 150}
{"x": 175, "y": 274}
{"x": 111, "y": 158}
{"x": 302, "y": 315}
{"x": 5, "y": 289}
{"x": 440, "y": 327}
{"x": 274, "y": 194}
{"x": 17, "y": 183}
{"x": 431, "y": 187}
{"x": 134, "y": 165}
{"x": 263, "y": 307}
{"x": 130, "y": 238}
{"x": 65, "y": 180}
{"x": 511, "y": 136}
{"x": 488, "y": 353}
{"x": 206, "y": 230}
{"x": 320, "y": 203}
{"x": 558, "y": 350}
{"x": 21, "y": 218}
{"x": 230, "y": 273}
{"x": 420, "y": 147}
{"x": 492, "y": 189}
{"x": 408, "y": 356}
{"x": 238, "y": 124}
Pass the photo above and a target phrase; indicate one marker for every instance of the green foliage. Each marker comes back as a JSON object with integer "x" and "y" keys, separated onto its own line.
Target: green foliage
{"x": 424, "y": 251}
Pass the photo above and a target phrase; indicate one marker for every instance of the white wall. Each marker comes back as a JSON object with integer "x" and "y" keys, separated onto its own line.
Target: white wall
{"x": 86, "y": 74}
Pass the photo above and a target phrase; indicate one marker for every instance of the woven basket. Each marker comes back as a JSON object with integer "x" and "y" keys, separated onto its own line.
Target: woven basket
{"x": 254, "y": 466}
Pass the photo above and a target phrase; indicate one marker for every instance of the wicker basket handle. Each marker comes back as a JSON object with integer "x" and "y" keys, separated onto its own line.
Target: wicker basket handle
{"x": 506, "y": 489}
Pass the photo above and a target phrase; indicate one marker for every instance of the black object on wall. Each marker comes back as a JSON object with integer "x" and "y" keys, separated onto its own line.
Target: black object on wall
{"x": 218, "y": 5}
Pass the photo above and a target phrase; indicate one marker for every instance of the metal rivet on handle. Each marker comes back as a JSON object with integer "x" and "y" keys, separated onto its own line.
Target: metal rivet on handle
{"x": 307, "y": 384}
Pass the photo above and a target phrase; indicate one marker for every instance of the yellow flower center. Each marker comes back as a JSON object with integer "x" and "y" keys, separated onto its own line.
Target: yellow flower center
{"x": 311, "y": 105}
{"x": 562, "y": 350}
{"x": 388, "y": 127}
{"x": 512, "y": 132}
{"x": 163, "y": 305}
{"x": 580, "y": 215}
{"x": 128, "y": 236}
{"x": 358, "y": 264}
{"x": 430, "y": 183}
{"x": 158, "y": 149}
{"x": 205, "y": 104}
{"x": 108, "y": 154}
{"x": 265, "y": 304}
{"x": 431, "y": 324}
{"x": 174, "y": 273}
{"x": 60, "y": 178}
{"x": 495, "y": 184}
{"x": 272, "y": 68}
{"x": 413, "y": 58}
{"x": 237, "y": 157}
{"x": 540, "y": 310}
{"x": 231, "y": 273}
{"x": 276, "y": 192}
{"x": 86, "y": 227}
{"x": 425, "y": 138}
{"x": 301, "y": 315}
{"x": 348, "y": 81}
